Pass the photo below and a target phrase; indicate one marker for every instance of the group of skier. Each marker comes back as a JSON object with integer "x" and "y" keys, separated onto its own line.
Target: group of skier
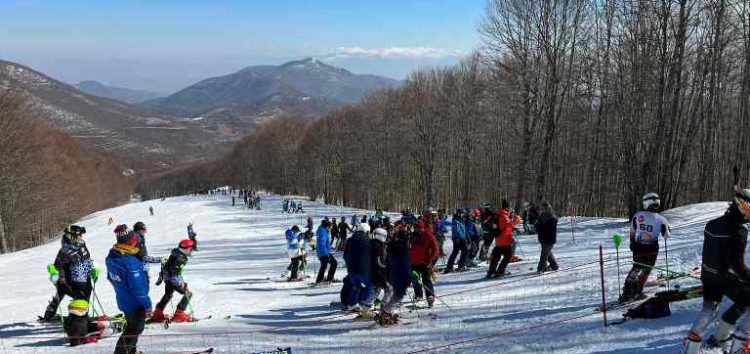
{"x": 250, "y": 198}
{"x": 74, "y": 274}
{"x": 292, "y": 206}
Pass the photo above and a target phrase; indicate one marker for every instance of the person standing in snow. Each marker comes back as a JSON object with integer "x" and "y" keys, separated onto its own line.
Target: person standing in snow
{"x": 129, "y": 278}
{"x": 357, "y": 289}
{"x": 399, "y": 266}
{"x": 378, "y": 268}
{"x": 458, "y": 228}
{"x": 646, "y": 225}
{"x": 193, "y": 236}
{"x": 323, "y": 249}
{"x": 72, "y": 270}
{"x": 139, "y": 231}
{"x": 151, "y": 210}
{"x": 489, "y": 232}
{"x": 343, "y": 232}
{"x": 334, "y": 234}
{"x": 474, "y": 236}
{"x": 724, "y": 273}
{"x": 424, "y": 251}
{"x": 546, "y": 228}
{"x": 295, "y": 250}
{"x": 440, "y": 226}
{"x": 503, "y": 251}
{"x": 173, "y": 282}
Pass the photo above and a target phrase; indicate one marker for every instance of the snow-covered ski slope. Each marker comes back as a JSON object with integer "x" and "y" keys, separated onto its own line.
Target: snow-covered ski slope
{"x": 236, "y": 280}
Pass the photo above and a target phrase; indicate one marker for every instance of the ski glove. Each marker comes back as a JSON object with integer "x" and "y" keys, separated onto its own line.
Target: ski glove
{"x": 95, "y": 274}
{"x": 54, "y": 275}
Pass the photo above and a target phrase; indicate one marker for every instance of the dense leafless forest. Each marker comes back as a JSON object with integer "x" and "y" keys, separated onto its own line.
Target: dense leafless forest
{"x": 584, "y": 103}
{"x": 47, "y": 179}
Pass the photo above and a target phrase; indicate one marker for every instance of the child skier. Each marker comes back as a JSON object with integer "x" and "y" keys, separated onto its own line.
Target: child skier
{"x": 647, "y": 225}
{"x": 378, "y": 269}
{"x": 172, "y": 275}
{"x": 193, "y": 236}
{"x": 72, "y": 271}
{"x": 399, "y": 270}
{"x": 296, "y": 252}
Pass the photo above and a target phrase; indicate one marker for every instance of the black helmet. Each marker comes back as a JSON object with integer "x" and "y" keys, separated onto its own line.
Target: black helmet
{"x": 295, "y": 228}
{"x": 139, "y": 226}
{"x": 75, "y": 230}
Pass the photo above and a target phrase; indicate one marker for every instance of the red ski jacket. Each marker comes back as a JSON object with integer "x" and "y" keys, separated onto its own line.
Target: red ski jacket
{"x": 424, "y": 248}
{"x": 505, "y": 225}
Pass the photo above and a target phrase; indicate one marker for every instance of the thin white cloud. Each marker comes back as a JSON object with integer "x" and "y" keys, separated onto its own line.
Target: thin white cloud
{"x": 393, "y": 52}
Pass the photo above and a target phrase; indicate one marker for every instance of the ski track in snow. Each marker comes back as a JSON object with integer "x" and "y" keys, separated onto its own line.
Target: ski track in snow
{"x": 240, "y": 249}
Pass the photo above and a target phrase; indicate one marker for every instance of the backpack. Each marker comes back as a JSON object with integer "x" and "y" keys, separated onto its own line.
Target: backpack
{"x": 655, "y": 307}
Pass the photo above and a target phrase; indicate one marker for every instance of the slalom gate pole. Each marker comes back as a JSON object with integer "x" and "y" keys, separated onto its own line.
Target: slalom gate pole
{"x": 667, "y": 271}
{"x": 666, "y": 259}
{"x": 619, "y": 286}
{"x": 601, "y": 272}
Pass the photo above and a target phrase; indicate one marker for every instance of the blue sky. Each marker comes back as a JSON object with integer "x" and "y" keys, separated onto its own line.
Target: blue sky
{"x": 165, "y": 45}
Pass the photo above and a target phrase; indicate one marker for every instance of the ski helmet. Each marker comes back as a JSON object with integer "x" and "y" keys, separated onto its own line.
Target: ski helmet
{"x": 364, "y": 227}
{"x": 187, "y": 244}
{"x": 74, "y": 233}
{"x": 651, "y": 201}
{"x": 295, "y": 228}
{"x": 138, "y": 226}
{"x": 742, "y": 201}
{"x": 380, "y": 234}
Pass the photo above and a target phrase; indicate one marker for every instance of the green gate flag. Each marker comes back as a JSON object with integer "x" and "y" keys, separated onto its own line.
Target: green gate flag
{"x": 617, "y": 238}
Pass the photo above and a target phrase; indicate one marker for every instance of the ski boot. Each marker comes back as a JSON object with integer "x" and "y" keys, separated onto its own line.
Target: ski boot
{"x": 721, "y": 338}
{"x": 366, "y": 314}
{"x": 158, "y": 316}
{"x": 386, "y": 319}
{"x": 739, "y": 345}
{"x": 692, "y": 344}
{"x": 182, "y": 316}
{"x": 430, "y": 301}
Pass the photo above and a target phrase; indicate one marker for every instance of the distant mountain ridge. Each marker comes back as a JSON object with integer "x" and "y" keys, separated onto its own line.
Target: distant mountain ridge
{"x": 143, "y": 139}
{"x": 116, "y": 93}
{"x": 239, "y": 101}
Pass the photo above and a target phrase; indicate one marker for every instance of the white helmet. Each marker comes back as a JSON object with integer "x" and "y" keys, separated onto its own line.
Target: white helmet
{"x": 364, "y": 227}
{"x": 651, "y": 200}
{"x": 380, "y": 234}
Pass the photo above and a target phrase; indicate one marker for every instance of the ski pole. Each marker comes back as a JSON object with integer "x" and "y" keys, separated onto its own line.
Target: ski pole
{"x": 666, "y": 259}
{"x": 668, "y": 271}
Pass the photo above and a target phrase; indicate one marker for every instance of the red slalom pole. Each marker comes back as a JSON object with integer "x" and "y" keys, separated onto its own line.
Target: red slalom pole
{"x": 604, "y": 297}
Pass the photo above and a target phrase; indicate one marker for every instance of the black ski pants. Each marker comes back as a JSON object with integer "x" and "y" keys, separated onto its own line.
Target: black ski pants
{"x": 128, "y": 342}
{"x": 169, "y": 290}
{"x": 426, "y": 287}
{"x": 459, "y": 246}
{"x": 327, "y": 262}
{"x": 504, "y": 252}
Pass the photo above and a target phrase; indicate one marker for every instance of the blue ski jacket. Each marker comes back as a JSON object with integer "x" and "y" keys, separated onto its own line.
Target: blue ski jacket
{"x": 130, "y": 281}
{"x": 458, "y": 228}
{"x": 323, "y": 242}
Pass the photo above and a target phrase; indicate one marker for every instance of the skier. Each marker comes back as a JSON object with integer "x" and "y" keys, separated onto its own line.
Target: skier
{"x": 459, "y": 239}
{"x": 139, "y": 232}
{"x": 489, "y": 232}
{"x": 724, "y": 273}
{"x": 172, "y": 275}
{"x": 129, "y": 278}
{"x": 151, "y": 210}
{"x": 193, "y": 236}
{"x": 72, "y": 271}
{"x": 546, "y": 227}
{"x": 343, "y": 231}
{"x": 334, "y": 234}
{"x": 441, "y": 230}
{"x": 378, "y": 269}
{"x": 474, "y": 236}
{"x": 357, "y": 292}
{"x": 503, "y": 241}
{"x": 295, "y": 250}
{"x": 399, "y": 270}
{"x": 647, "y": 225}
{"x": 424, "y": 251}
{"x": 323, "y": 249}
